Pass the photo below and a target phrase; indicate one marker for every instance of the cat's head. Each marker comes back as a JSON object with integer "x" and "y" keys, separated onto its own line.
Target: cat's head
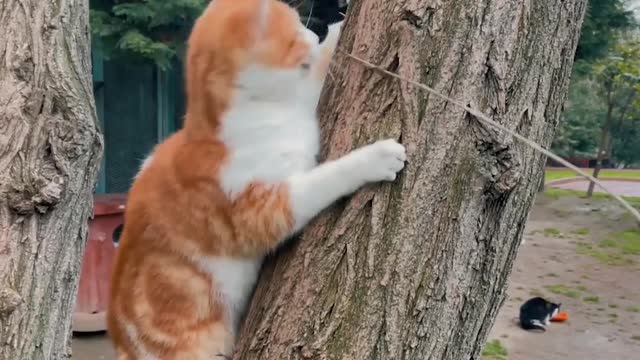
{"x": 235, "y": 46}
{"x": 553, "y": 308}
{"x": 323, "y": 14}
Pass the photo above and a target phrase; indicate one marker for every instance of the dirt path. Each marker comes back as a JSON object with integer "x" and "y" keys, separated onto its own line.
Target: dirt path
{"x": 557, "y": 260}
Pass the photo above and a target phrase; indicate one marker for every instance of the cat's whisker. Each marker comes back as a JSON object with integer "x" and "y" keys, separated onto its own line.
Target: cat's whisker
{"x": 310, "y": 15}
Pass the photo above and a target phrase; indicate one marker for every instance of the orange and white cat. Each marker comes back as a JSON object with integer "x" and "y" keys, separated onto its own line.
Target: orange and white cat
{"x": 232, "y": 185}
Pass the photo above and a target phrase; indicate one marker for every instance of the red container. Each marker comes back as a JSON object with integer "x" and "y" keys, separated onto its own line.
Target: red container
{"x": 93, "y": 289}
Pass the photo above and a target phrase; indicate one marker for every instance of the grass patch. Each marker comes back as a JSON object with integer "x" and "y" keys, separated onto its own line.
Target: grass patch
{"x": 613, "y": 306}
{"x": 494, "y": 350}
{"x": 603, "y": 256}
{"x": 555, "y": 194}
{"x": 564, "y": 290}
{"x": 591, "y": 299}
{"x": 583, "y": 231}
{"x": 581, "y": 288}
{"x": 634, "y": 309}
{"x": 635, "y": 337}
{"x": 614, "y": 250}
{"x": 555, "y": 174}
{"x": 628, "y": 242}
{"x": 552, "y": 275}
{"x": 551, "y": 232}
{"x": 613, "y": 315}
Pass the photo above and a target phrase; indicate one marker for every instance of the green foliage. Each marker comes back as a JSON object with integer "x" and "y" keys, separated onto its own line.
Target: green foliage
{"x": 619, "y": 78}
{"x": 605, "y": 25}
{"x": 580, "y": 123}
{"x": 624, "y": 74}
{"x": 604, "y": 20}
{"x": 144, "y": 30}
{"x": 619, "y": 72}
{"x": 605, "y": 93}
{"x": 152, "y": 30}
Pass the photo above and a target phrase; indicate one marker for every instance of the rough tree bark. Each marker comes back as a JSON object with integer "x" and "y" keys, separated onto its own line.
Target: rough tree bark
{"x": 50, "y": 150}
{"x": 417, "y": 269}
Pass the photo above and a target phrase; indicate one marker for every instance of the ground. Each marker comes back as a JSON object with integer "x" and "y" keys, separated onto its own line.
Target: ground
{"x": 585, "y": 255}
{"x": 582, "y": 253}
{"x": 92, "y": 347}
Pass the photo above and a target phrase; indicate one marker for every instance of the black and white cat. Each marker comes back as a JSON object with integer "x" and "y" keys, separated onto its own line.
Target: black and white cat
{"x": 536, "y": 313}
{"x": 322, "y": 14}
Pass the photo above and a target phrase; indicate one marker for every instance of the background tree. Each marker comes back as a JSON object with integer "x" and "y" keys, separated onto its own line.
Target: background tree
{"x": 626, "y": 140}
{"x": 144, "y": 30}
{"x": 577, "y": 135}
{"x": 604, "y": 22}
{"x": 50, "y": 150}
{"x": 417, "y": 269}
{"x": 618, "y": 77}
{"x": 156, "y": 30}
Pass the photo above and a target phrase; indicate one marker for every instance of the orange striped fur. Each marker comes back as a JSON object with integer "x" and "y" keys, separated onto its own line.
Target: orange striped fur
{"x": 235, "y": 182}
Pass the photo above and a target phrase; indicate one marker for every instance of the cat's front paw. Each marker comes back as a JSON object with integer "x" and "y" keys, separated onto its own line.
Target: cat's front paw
{"x": 382, "y": 160}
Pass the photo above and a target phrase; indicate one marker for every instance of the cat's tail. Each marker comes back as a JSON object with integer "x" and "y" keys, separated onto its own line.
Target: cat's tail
{"x": 533, "y": 325}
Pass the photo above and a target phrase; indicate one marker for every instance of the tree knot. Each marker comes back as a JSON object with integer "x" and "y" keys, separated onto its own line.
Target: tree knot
{"x": 9, "y": 300}
{"x": 499, "y": 161}
{"x": 40, "y": 196}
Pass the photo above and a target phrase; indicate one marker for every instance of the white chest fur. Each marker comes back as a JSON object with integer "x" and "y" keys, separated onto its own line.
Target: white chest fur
{"x": 267, "y": 142}
{"x": 233, "y": 280}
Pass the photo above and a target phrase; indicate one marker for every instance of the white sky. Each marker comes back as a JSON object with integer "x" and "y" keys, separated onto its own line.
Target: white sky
{"x": 634, "y": 5}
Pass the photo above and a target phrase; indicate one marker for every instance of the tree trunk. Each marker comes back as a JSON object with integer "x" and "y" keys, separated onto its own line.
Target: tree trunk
{"x": 50, "y": 150}
{"x": 603, "y": 146}
{"x": 542, "y": 183}
{"x": 417, "y": 269}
